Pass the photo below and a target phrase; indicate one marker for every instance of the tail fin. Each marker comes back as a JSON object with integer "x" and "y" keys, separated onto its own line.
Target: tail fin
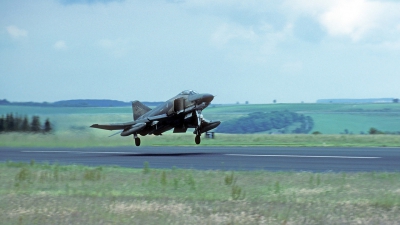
{"x": 139, "y": 109}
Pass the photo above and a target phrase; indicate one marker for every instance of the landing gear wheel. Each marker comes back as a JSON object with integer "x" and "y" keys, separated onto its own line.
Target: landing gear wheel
{"x": 197, "y": 139}
{"x": 137, "y": 141}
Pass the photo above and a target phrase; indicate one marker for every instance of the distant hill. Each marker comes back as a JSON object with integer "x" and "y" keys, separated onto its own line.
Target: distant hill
{"x": 79, "y": 103}
{"x": 365, "y": 100}
{"x": 91, "y": 103}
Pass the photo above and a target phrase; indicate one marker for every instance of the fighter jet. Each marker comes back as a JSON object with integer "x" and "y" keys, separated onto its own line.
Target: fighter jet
{"x": 179, "y": 113}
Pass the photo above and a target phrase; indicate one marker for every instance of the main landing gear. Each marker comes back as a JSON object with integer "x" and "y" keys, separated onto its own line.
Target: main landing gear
{"x": 197, "y": 139}
{"x": 137, "y": 140}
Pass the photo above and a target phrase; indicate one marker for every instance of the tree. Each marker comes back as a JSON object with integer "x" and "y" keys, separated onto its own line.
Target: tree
{"x": 35, "y": 124}
{"x": 373, "y": 130}
{"x": 274, "y": 101}
{"x": 395, "y": 100}
{"x": 17, "y": 123}
{"x": 2, "y": 127}
{"x": 25, "y": 125}
{"x": 10, "y": 122}
{"x": 47, "y": 126}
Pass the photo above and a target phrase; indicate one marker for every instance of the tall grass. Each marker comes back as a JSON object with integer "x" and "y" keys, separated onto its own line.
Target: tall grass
{"x": 32, "y": 193}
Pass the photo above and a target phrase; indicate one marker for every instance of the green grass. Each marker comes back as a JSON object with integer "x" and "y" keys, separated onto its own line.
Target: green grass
{"x": 76, "y": 140}
{"x": 72, "y": 126}
{"x": 355, "y": 123}
{"x": 305, "y": 107}
{"x": 328, "y": 118}
{"x": 33, "y": 193}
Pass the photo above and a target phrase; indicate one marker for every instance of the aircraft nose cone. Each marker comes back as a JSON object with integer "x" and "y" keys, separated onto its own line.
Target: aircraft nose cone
{"x": 207, "y": 97}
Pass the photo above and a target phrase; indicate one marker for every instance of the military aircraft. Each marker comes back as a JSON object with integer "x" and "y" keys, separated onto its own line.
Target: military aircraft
{"x": 180, "y": 113}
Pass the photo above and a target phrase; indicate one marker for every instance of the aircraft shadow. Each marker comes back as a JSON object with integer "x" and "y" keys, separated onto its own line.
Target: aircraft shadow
{"x": 163, "y": 154}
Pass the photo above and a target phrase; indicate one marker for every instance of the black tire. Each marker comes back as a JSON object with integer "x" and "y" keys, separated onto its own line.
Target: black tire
{"x": 197, "y": 139}
{"x": 137, "y": 141}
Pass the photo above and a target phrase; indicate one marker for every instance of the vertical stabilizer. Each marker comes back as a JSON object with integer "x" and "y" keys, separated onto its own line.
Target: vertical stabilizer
{"x": 139, "y": 109}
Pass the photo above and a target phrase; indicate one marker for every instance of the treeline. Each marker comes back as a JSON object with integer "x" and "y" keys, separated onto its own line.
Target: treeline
{"x": 78, "y": 103}
{"x": 17, "y": 123}
{"x": 276, "y": 121}
{"x": 373, "y": 131}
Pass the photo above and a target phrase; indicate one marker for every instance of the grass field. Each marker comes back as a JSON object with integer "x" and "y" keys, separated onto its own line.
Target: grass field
{"x": 72, "y": 129}
{"x": 81, "y": 139}
{"x": 328, "y": 118}
{"x": 305, "y": 107}
{"x": 355, "y": 123}
{"x": 54, "y": 194}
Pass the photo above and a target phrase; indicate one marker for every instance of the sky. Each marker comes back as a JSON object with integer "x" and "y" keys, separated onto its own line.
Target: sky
{"x": 258, "y": 51}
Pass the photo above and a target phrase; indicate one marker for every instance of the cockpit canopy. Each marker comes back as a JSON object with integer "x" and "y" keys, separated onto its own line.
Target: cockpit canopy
{"x": 188, "y": 92}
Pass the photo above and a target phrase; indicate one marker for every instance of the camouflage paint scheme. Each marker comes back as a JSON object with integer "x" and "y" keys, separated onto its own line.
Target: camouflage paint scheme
{"x": 179, "y": 113}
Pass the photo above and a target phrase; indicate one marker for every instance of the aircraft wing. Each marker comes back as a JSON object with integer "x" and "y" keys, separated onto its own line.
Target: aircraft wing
{"x": 113, "y": 126}
{"x": 122, "y": 126}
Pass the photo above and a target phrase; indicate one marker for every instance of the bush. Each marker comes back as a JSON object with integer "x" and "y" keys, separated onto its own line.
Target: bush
{"x": 373, "y": 130}
{"x": 93, "y": 174}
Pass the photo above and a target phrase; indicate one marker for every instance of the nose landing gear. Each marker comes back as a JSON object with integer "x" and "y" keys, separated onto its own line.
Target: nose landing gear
{"x": 137, "y": 140}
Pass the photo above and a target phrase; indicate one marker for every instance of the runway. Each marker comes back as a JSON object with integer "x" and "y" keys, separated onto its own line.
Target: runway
{"x": 218, "y": 158}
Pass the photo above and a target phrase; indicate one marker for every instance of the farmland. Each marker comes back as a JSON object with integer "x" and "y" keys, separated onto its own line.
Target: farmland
{"x": 328, "y": 118}
{"x": 71, "y": 126}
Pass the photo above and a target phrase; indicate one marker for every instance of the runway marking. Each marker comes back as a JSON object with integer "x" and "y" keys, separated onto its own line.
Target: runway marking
{"x": 307, "y": 156}
{"x": 81, "y": 152}
{"x": 243, "y": 155}
{"x": 46, "y": 151}
{"x": 132, "y": 153}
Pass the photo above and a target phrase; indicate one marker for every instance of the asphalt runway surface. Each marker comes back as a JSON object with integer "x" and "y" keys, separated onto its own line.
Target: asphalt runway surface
{"x": 315, "y": 159}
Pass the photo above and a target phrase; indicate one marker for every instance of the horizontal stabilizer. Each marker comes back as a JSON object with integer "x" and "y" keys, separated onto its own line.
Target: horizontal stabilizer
{"x": 113, "y": 126}
{"x": 109, "y": 126}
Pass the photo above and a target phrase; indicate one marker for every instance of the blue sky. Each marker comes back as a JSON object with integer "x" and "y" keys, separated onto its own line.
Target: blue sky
{"x": 257, "y": 51}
